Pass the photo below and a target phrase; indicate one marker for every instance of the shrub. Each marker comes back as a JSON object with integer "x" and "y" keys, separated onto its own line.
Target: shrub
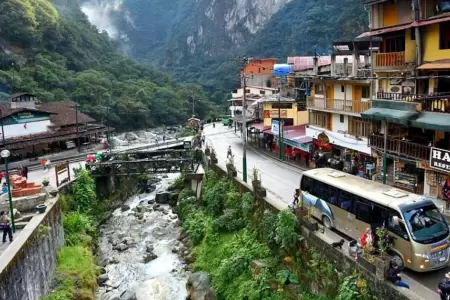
{"x": 84, "y": 198}
{"x": 285, "y": 231}
{"x": 195, "y": 226}
{"x": 229, "y": 221}
{"x": 76, "y": 275}
{"x": 78, "y": 229}
{"x": 177, "y": 185}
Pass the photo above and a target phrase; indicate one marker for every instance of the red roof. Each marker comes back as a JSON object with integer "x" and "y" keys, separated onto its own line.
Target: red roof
{"x": 385, "y": 30}
{"x": 65, "y": 113}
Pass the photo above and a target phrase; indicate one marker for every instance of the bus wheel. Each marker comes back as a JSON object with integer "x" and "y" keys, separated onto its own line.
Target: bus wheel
{"x": 398, "y": 259}
{"x": 327, "y": 222}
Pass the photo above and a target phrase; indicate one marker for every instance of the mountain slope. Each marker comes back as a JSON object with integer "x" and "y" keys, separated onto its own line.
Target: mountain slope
{"x": 60, "y": 55}
{"x": 195, "y": 40}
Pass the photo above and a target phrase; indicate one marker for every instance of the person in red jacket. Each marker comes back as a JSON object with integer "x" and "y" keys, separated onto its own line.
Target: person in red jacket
{"x": 367, "y": 239}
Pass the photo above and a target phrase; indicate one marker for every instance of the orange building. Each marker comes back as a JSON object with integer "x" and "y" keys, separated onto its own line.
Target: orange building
{"x": 259, "y": 72}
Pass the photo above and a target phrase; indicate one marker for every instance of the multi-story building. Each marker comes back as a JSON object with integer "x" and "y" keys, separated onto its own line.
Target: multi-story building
{"x": 258, "y": 72}
{"x": 411, "y": 103}
{"x": 340, "y": 93}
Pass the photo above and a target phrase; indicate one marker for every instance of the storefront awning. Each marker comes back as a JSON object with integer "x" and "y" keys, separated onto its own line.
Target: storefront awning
{"x": 385, "y": 30}
{"x": 432, "y": 121}
{"x": 259, "y": 126}
{"x": 388, "y": 115}
{"x": 435, "y": 66}
{"x": 295, "y": 136}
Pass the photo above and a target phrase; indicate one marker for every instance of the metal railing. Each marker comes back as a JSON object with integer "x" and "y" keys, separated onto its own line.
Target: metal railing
{"x": 391, "y": 59}
{"x": 400, "y": 147}
{"x": 339, "y": 105}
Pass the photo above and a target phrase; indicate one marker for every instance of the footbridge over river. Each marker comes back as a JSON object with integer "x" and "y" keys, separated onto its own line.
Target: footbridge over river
{"x": 147, "y": 162}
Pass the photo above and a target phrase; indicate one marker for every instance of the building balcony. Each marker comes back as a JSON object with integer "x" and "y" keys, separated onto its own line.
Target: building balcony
{"x": 400, "y": 147}
{"x": 338, "y": 105}
{"x": 391, "y": 60}
{"x": 434, "y": 102}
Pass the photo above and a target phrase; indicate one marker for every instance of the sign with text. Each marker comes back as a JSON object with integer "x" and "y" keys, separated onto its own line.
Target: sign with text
{"x": 275, "y": 127}
{"x": 274, "y": 113}
{"x": 440, "y": 159}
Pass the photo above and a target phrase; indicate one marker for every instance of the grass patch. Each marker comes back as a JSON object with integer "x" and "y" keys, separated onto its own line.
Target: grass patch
{"x": 75, "y": 275}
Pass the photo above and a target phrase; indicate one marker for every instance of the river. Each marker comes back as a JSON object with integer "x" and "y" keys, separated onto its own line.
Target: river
{"x": 144, "y": 232}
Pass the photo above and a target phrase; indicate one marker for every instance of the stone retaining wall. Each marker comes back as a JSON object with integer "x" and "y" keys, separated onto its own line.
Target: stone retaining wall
{"x": 27, "y": 265}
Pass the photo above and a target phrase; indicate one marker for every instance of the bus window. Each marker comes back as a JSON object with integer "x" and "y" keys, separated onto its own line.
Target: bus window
{"x": 380, "y": 216}
{"x": 399, "y": 229}
{"x": 333, "y": 194}
{"x": 345, "y": 201}
{"x": 307, "y": 184}
{"x": 321, "y": 190}
{"x": 363, "y": 211}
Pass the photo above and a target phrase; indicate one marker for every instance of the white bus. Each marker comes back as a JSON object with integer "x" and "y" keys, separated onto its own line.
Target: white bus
{"x": 351, "y": 204}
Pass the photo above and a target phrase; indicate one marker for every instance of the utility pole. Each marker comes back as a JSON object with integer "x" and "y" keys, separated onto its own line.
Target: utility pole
{"x": 280, "y": 130}
{"x": 244, "y": 61}
{"x": 193, "y": 105}
{"x": 76, "y": 120}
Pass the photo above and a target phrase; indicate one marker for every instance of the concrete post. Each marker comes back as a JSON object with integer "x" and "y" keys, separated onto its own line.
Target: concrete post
{"x": 333, "y": 65}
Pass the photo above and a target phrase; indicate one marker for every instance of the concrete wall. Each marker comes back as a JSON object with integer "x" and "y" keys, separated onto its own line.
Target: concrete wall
{"x": 22, "y": 204}
{"x": 27, "y": 265}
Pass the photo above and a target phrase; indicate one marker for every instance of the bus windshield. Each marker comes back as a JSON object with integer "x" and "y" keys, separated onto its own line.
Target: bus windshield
{"x": 426, "y": 224}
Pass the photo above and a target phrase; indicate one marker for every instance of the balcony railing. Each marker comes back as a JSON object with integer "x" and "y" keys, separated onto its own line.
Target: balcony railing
{"x": 391, "y": 59}
{"x": 400, "y": 147}
{"x": 434, "y": 102}
{"x": 339, "y": 105}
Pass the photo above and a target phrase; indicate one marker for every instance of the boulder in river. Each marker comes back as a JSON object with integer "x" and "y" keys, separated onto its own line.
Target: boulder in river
{"x": 111, "y": 296}
{"x": 198, "y": 287}
{"x": 151, "y": 201}
{"x": 102, "y": 279}
{"x": 125, "y": 207}
{"x": 162, "y": 198}
{"x": 120, "y": 247}
{"x": 149, "y": 257}
{"x": 128, "y": 295}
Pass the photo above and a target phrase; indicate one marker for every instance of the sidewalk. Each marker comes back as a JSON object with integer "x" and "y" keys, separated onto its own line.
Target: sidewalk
{"x": 301, "y": 166}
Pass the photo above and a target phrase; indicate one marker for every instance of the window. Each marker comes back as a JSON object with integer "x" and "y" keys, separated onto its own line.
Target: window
{"x": 358, "y": 127}
{"x": 261, "y": 92}
{"x": 247, "y": 91}
{"x": 345, "y": 201}
{"x": 282, "y": 105}
{"x": 318, "y": 88}
{"x": 444, "y": 35}
{"x": 320, "y": 120}
{"x": 342, "y": 88}
{"x": 341, "y": 118}
{"x": 363, "y": 210}
{"x": 365, "y": 92}
{"x": 399, "y": 229}
{"x": 274, "y": 92}
{"x": 394, "y": 44}
{"x": 307, "y": 184}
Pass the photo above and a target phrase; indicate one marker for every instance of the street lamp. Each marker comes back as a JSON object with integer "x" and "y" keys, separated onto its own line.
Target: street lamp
{"x": 5, "y": 155}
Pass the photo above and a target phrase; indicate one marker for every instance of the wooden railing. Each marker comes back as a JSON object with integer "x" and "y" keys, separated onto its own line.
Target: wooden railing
{"x": 434, "y": 102}
{"x": 400, "y": 147}
{"x": 351, "y": 106}
{"x": 391, "y": 59}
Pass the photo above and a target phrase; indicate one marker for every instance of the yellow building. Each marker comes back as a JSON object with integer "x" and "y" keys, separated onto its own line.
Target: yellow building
{"x": 287, "y": 108}
{"x": 411, "y": 103}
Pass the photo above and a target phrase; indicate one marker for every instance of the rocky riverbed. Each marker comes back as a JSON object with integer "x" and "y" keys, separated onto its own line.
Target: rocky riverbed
{"x": 141, "y": 251}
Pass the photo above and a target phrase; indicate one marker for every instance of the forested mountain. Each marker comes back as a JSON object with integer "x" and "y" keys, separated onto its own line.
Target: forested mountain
{"x": 55, "y": 52}
{"x": 195, "y": 40}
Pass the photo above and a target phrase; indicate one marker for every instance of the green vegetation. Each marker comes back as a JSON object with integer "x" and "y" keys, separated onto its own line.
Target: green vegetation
{"x": 256, "y": 253}
{"x": 75, "y": 274}
{"x": 76, "y": 271}
{"x": 61, "y": 56}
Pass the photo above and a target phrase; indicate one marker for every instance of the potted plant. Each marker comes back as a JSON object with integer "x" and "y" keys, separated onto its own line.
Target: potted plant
{"x": 231, "y": 169}
{"x": 45, "y": 182}
{"x": 213, "y": 156}
{"x": 41, "y": 208}
{"x": 53, "y": 193}
{"x": 256, "y": 183}
{"x": 367, "y": 259}
{"x": 310, "y": 223}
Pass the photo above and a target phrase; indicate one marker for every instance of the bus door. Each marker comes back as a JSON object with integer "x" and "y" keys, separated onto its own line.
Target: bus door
{"x": 401, "y": 241}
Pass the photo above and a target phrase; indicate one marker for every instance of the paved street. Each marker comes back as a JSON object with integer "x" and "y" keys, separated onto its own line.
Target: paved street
{"x": 281, "y": 180}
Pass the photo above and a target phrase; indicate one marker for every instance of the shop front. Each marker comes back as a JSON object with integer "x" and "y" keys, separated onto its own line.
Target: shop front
{"x": 437, "y": 177}
{"x": 409, "y": 176}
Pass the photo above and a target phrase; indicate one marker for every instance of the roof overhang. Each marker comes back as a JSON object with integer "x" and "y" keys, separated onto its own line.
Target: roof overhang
{"x": 372, "y": 2}
{"x": 385, "y": 30}
{"x": 435, "y": 66}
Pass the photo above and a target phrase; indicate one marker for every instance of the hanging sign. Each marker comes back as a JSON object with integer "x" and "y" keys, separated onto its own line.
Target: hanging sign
{"x": 440, "y": 159}
{"x": 274, "y": 113}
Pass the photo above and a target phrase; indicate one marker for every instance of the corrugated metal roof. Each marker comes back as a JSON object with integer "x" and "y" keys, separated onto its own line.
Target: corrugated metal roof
{"x": 386, "y": 30}
{"x": 436, "y": 65}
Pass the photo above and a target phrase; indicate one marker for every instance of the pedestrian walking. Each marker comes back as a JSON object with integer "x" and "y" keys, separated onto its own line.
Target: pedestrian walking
{"x": 47, "y": 165}
{"x": 296, "y": 197}
{"x": 5, "y": 222}
{"x": 229, "y": 152}
{"x": 444, "y": 287}
{"x": 25, "y": 172}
